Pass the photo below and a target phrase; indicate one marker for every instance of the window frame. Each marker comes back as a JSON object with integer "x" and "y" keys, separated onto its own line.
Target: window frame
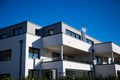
{"x": 5, "y": 55}
{"x": 50, "y": 32}
{"x": 31, "y": 72}
{"x": 32, "y": 52}
{"x": 17, "y": 31}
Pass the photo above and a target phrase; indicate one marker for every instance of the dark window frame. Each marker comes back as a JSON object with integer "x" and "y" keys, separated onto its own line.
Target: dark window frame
{"x": 37, "y": 32}
{"x": 99, "y": 60}
{"x": 4, "y": 75}
{"x": 33, "y": 51}
{"x": 32, "y": 72}
{"x": 6, "y": 55}
{"x": 17, "y": 31}
{"x": 73, "y": 34}
{"x": 50, "y": 32}
{"x": 3, "y": 36}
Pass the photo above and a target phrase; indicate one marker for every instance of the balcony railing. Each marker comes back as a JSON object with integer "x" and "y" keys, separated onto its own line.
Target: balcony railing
{"x": 71, "y": 59}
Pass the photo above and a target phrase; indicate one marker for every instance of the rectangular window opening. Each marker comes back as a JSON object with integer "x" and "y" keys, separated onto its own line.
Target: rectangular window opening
{"x": 5, "y": 55}
{"x": 17, "y": 31}
{"x": 34, "y": 52}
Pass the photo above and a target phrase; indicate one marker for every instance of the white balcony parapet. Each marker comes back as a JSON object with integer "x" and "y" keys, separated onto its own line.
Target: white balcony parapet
{"x": 106, "y": 47}
{"x": 67, "y": 40}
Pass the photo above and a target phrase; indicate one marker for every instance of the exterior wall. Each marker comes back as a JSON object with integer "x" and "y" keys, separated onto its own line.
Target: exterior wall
{"x": 102, "y": 47}
{"x": 117, "y": 67}
{"x": 52, "y": 40}
{"x": 32, "y": 27}
{"x": 61, "y": 66}
{"x": 78, "y": 44}
{"x": 65, "y": 26}
{"x": 9, "y": 30}
{"x": 53, "y": 65}
{"x": 115, "y": 48}
{"x": 105, "y": 70}
{"x": 44, "y": 42}
{"x": 76, "y": 65}
{"x": 13, "y": 65}
{"x": 32, "y": 41}
{"x": 46, "y": 55}
{"x": 44, "y": 32}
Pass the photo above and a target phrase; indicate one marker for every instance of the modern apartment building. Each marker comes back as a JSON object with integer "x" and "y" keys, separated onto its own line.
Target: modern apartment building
{"x": 27, "y": 49}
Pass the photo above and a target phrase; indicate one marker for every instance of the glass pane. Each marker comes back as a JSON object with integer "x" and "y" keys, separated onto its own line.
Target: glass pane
{"x": 31, "y": 55}
{"x": 35, "y": 55}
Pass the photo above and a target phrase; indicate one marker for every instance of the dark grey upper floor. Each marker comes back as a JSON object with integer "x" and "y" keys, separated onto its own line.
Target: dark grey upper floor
{"x": 53, "y": 29}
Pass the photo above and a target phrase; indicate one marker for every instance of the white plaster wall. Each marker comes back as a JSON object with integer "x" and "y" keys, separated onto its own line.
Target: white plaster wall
{"x": 66, "y": 26}
{"x": 105, "y": 70}
{"x": 46, "y": 55}
{"x": 53, "y": 65}
{"x": 116, "y": 48}
{"x": 75, "y": 43}
{"x": 36, "y": 42}
{"x": 117, "y": 67}
{"x": 31, "y": 27}
{"x": 12, "y": 66}
{"x": 76, "y": 65}
{"x": 102, "y": 48}
{"x": 52, "y": 40}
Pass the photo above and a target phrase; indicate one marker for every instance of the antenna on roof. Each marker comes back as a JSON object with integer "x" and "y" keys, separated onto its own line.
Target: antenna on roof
{"x": 83, "y": 34}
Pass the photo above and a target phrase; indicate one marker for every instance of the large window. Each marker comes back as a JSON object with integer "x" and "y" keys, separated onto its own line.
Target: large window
{"x": 3, "y": 36}
{"x": 70, "y": 33}
{"x": 98, "y": 60}
{"x": 89, "y": 41}
{"x": 4, "y": 75}
{"x": 5, "y": 55}
{"x": 33, "y": 73}
{"x": 34, "y": 52}
{"x": 17, "y": 31}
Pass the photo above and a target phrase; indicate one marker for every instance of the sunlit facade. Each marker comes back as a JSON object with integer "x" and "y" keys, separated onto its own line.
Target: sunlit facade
{"x": 52, "y": 51}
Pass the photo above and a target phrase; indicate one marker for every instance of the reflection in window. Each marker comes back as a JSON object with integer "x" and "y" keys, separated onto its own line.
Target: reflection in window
{"x": 33, "y": 73}
{"x": 98, "y": 60}
{"x": 17, "y": 31}
{"x": 70, "y": 33}
{"x": 3, "y": 36}
{"x": 34, "y": 52}
{"x": 50, "y": 32}
{"x": 89, "y": 41}
{"x": 5, "y": 55}
{"x": 4, "y": 75}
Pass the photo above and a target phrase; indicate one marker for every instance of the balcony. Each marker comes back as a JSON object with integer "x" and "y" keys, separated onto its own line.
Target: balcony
{"x": 71, "y": 59}
{"x": 54, "y": 41}
{"x": 66, "y": 65}
{"x": 106, "y": 47}
{"x": 107, "y": 69}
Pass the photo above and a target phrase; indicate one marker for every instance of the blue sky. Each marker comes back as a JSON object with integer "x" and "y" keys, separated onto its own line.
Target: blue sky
{"x": 101, "y": 17}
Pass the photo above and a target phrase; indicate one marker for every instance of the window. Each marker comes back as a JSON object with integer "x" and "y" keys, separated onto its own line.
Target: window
{"x": 3, "y": 36}
{"x": 5, "y": 55}
{"x": 4, "y": 75}
{"x": 33, "y": 73}
{"x": 50, "y": 32}
{"x": 70, "y": 33}
{"x": 17, "y": 31}
{"x": 34, "y": 52}
{"x": 36, "y": 32}
{"x": 89, "y": 41}
{"x": 98, "y": 60}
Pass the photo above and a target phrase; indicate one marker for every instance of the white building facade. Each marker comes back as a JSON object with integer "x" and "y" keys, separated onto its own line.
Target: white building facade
{"x": 27, "y": 49}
